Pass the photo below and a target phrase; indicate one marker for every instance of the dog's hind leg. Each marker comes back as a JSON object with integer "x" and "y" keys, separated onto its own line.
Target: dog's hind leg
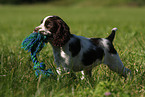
{"x": 115, "y": 64}
{"x": 111, "y": 57}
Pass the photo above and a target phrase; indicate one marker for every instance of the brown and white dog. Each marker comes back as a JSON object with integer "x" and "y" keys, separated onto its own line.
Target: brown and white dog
{"x": 78, "y": 53}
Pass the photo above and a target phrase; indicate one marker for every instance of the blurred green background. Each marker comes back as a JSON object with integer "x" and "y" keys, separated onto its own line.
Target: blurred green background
{"x": 89, "y": 18}
{"x": 83, "y": 2}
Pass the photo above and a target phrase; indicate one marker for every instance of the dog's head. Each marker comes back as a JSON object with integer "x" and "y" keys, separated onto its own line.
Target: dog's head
{"x": 55, "y": 29}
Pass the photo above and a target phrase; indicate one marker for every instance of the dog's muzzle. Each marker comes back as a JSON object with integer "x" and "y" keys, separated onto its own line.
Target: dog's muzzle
{"x": 42, "y": 31}
{"x": 36, "y": 29}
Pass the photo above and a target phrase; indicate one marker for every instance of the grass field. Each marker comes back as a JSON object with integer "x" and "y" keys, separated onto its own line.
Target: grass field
{"x": 16, "y": 68}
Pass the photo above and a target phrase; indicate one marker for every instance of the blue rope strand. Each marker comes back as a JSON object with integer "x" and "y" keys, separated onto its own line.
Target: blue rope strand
{"x": 34, "y": 44}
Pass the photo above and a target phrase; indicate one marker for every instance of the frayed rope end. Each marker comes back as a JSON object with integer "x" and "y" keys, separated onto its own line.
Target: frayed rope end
{"x": 34, "y": 44}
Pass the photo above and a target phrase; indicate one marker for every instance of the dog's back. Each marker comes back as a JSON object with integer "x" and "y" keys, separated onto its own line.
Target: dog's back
{"x": 82, "y": 53}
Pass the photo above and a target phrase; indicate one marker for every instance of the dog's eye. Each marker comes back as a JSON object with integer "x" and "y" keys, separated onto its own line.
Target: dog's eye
{"x": 48, "y": 24}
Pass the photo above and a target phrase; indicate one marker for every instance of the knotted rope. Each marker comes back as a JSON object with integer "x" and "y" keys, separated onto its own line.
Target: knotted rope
{"x": 34, "y": 44}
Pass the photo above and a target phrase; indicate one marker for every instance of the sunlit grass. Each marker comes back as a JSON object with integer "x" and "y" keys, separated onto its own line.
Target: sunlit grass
{"x": 16, "y": 68}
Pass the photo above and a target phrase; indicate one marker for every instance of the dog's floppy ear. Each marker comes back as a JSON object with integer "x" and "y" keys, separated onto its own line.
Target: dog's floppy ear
{"x": 112, "y": 35}
{"x": 62, "y": 34}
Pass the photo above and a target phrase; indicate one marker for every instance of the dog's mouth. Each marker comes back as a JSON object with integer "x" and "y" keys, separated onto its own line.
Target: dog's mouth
{"x": 41, "y": 31}
{"x": 45, "y": 33}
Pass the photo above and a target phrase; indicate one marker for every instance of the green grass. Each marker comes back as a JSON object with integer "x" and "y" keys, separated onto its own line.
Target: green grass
{"x": 16, "y": 69}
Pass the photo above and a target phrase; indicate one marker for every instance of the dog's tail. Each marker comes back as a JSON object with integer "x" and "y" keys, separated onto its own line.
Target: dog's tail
{"x": 112, "y": 35}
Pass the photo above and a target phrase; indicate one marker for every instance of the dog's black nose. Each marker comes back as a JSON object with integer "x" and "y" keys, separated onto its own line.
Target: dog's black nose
{"x": 36, "y": 29}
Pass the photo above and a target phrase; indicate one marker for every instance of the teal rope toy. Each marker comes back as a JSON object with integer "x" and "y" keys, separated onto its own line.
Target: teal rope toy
{"x": 34, "y": 44}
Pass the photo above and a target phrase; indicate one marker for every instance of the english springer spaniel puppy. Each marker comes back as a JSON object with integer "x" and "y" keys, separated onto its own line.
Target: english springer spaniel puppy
{"x": 78, "y": 53}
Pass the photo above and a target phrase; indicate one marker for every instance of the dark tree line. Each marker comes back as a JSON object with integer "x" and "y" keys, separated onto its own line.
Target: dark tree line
{"x": 21, "y": 1}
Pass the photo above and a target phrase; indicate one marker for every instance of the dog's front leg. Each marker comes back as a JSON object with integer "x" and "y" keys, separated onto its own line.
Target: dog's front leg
{"x": 86, "y": 73}
{"x": 64, "y": 72}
